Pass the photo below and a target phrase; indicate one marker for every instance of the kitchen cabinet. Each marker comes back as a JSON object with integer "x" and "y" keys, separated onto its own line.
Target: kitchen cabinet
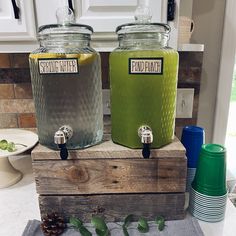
{"x": 46, "y": 11}
{"x": 13, "y": 29}
{"x": 106, "y": 15}
{"x": 103, "y": 15}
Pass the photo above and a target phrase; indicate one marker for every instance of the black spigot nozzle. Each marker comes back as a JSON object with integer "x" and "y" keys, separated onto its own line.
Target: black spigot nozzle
{"x": 145, "y": 133}
{"x": 146, "y": 150}
{"x": 63, "y": 151}
{"x": 61, "y": 137}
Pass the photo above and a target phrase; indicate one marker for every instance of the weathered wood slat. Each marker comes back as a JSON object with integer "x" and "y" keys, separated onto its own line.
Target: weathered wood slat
{"x": 108, "y": 149}
{"x": 115, "y": 207}
{"x": 110, "y": 176}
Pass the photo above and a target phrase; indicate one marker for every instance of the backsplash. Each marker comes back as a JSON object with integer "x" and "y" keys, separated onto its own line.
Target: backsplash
{"x": 16, "y": 102}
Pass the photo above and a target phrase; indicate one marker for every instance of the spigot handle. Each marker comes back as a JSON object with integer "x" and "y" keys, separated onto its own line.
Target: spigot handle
{"x": 63, "y": 151}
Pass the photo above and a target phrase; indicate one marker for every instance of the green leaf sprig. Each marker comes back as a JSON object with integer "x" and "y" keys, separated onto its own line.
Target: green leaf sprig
{"x": 160, "y": 221}
{"x": 78, "y": 225}
{"x": 100, "y": 226}
{"x": 143, "y": 226}
{"x": 9, "y": 146}
{"x": 127, "y": 221}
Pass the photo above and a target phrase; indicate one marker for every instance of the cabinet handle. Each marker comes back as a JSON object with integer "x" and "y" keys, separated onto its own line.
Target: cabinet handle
{"x": 16, "y": 9}
{"x": 70, "y": 5}
{"x": 171, "y": 10}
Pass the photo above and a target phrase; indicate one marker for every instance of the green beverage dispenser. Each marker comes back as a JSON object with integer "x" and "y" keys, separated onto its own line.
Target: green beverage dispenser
{"x": 143, "y": 80}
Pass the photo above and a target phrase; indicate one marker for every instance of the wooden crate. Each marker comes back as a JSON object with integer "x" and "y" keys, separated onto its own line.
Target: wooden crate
{"x": 112, "y": 177}
{"x": 115, "y": 207}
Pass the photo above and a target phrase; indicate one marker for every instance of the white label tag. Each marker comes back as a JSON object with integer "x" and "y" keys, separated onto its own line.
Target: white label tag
{"x": 58, "y": 66}
{"x": 146, "y": 66}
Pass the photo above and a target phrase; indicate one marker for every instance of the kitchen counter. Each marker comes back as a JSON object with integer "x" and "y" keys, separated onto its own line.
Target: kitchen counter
{"x": 19, "y": 203}
{"x": 227, "y": 227}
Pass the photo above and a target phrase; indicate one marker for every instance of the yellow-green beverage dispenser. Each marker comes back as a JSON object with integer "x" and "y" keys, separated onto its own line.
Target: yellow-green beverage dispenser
{"x": 143, "y": 80}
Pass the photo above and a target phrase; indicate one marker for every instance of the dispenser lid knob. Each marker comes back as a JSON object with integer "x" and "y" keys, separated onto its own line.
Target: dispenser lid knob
{"x": 65, "y": 16}
{"x": 143, "y": 14}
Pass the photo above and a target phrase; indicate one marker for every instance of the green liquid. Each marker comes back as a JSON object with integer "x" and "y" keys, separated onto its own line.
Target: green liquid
{"x": 143, "y": 99}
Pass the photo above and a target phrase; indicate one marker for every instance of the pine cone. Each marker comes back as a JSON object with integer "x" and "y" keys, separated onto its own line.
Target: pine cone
{"x": 53, "y": 225}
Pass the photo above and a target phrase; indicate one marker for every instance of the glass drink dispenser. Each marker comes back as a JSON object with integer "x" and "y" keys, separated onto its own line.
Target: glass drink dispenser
{"x": 143, "y": 80}
{"x": 67, "y": 86}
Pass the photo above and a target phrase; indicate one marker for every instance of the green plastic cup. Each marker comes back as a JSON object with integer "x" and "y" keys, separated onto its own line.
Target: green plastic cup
{"x": 210, "y": 177}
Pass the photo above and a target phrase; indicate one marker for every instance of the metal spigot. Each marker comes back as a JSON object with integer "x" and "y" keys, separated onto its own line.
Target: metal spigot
{"x": 61, "y": 137}
{"x": 146, "y": 135}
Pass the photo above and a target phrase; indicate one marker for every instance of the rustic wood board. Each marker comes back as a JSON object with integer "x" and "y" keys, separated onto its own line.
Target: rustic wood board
{"x": 115, "y": 207}
{"x": 108, "y": 149}
{"x": 110, "y": 176}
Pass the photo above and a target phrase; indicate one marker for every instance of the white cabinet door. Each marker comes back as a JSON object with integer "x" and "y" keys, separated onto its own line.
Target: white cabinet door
{"x": 106, "y": 15}
{"x": 46, "y": 10}
{"x": 12, "y": 29}
{"x": 102, "y": 15}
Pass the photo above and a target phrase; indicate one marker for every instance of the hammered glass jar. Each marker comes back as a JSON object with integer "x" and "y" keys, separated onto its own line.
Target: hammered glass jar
{"x": 143, "y": 80}
{"x": 67, "y": 87}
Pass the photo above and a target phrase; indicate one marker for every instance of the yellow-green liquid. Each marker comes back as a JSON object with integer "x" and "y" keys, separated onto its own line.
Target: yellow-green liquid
{"x": 143, "y": 99}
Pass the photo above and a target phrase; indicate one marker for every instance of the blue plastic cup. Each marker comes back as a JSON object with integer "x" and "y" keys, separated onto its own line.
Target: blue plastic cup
{"x": 193, "y": 137}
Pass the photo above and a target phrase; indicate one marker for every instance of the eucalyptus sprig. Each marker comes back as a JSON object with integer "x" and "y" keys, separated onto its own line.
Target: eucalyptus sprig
{"x": 78, "y": 225}
{"x": 100, "y": 226}
{"x": 9, "y": 146}
{"x": 127, "y": 221}
{"x": 160, "y": 221}
{"x": 143, "y": 226}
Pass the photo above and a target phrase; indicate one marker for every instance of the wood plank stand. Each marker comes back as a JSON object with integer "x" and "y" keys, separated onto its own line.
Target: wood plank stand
{"x": 113, "y": 181}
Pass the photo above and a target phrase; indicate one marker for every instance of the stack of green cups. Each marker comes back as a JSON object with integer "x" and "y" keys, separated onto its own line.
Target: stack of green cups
{"x": 208, "y": 194}
{"x": 210, "y": 177}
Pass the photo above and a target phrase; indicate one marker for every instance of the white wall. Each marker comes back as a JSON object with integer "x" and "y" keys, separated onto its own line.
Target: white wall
{"x": 208, "y": 16}
{"x": 186, "y": 8}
